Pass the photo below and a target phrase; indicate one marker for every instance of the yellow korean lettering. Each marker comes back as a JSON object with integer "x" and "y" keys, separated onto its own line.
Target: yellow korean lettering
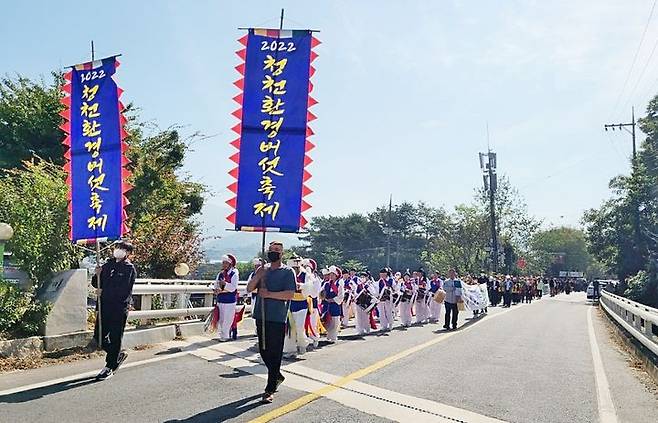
{"x": 263, "y": 208}
{"x": 273, "y": 126}
{"x": 90, "y": 128}
{"x": 90, "y": 111}
{"x": 89, "y": 93}
{"x": 273, "y": 86}
{"x": 96, "y": 222}
{"x": 269, "y": 166}
{"x": 274, "y": 66}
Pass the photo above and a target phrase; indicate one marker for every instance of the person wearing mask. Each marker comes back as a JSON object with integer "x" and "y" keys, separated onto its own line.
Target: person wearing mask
{"x": 226, "y": 291}
{"x": 276, "y": 286}
{"x": 114, "y": 282}
{"x": 453, "y": 288}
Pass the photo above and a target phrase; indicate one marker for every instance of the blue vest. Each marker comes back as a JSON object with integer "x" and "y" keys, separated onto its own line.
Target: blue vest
{"x": 227, "y": 297}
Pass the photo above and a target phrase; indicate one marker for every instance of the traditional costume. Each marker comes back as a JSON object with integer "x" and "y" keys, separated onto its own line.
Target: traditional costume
{"x": 435, "y": 307}
{"x": 422, "y": 299}
{"x": 408, "y": 295}
{"x": 226, "y": 287}
{"x": 365, "y": 301}
{"x": 348, "y": 301}
{"x": 332, "y": 297}
{"x": 385, "y": 288}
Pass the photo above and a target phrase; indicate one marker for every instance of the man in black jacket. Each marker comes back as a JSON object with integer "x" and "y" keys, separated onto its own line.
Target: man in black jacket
{"x": 116, "y": 285}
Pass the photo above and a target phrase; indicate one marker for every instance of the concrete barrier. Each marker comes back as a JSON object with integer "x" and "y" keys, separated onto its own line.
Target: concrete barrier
{"x": 149, "y": 336}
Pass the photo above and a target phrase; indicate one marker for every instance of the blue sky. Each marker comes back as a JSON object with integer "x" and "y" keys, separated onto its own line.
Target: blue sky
{"x": 406, "y": 89}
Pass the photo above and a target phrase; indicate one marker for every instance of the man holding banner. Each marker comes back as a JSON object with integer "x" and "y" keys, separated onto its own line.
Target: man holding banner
{"x": 117, "y": 278}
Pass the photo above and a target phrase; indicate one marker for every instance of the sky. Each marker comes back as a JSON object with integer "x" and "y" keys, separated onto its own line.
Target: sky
{"x": 406, "y": 89}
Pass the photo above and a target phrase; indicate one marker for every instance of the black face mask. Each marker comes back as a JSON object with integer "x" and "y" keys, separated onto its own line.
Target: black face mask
{"x": 273, "y": 256}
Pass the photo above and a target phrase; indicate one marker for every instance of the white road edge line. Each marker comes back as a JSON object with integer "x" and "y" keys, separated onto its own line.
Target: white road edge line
{"x": 86, "y": 374}
{"x": 607, "y": 411}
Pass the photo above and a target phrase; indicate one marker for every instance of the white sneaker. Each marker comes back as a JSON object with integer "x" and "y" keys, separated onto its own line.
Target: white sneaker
{"x": 316, "y": 343}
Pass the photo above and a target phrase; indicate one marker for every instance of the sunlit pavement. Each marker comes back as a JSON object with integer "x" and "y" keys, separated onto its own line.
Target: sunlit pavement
{"x": 530, "y": 363}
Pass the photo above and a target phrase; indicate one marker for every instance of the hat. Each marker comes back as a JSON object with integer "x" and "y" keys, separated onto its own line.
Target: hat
{"x": 345, "y": 271}
{"x": 229, "y": 258}
{"x": 384, "y": 270}
{"x": 325, "y": 271}
{"x": 335, "y": 270}
{"x": 257, "y": 261}
{"x": 308, "y": 262}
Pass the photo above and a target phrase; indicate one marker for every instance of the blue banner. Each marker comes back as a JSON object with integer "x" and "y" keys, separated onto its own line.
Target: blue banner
{"x": 273, "y": 131}
{"x": 96, "y": 152}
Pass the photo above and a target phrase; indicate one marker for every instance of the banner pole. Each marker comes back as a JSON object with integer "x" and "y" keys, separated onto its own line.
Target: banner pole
{"x": 98, "y": 297}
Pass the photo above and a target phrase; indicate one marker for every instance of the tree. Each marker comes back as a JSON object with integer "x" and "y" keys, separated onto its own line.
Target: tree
{"x": 34, "y": 202}
{"x": 29, "y": 121}
{"x": 559, "y": 249}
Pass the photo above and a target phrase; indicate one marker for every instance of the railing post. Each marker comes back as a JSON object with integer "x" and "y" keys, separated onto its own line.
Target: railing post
{"x": 146, "y": 305}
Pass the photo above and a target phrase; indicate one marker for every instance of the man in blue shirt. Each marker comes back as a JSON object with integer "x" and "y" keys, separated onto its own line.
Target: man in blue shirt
{"x": 276, "y": 287}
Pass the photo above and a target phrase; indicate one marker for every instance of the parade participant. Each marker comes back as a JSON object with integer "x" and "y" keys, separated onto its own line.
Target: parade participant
{"x": 365, "y": 293}
{"x": 507, "y": 294}
{"x": 408, "y": 296}
{"x": 313, "y": 325}
{"x": 385, "y": 287}
{"x": 422, "y": 298}
{"x": 453, "y": 289}
{"x": 332, "y": 297}
{"x": 540, "y": 288}
{"x": 276, "y": 287}
{"x": 296, "y": 341}
{"x": 117, "y": 278}
{"x": 348, "y": 301}
{"x": 257, "y": 263}
{"x": 435, "y": 307}
{"x": 226, "y": 292}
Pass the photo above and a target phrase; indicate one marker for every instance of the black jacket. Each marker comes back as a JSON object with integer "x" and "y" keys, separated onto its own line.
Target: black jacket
{"x": 117, "y": 280}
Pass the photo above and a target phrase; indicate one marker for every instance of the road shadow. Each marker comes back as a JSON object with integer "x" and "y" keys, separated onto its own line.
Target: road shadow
{"x": 224, "y": 412}
{"x": 36, "y": 393}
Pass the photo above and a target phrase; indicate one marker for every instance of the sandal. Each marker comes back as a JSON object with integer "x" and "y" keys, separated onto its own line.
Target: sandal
{"x": 267, "y": 398}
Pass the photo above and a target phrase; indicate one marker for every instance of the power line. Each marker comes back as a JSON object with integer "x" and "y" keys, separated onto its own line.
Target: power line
{"x": 646, "y": 65}
{"x": 637, "y": 52}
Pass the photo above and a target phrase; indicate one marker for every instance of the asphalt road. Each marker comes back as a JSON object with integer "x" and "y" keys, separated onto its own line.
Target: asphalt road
{"x": 530, "y": 363}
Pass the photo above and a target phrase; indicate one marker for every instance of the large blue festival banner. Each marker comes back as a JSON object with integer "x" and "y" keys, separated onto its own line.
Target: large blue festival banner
{"x": 96, "y": 154}
{"x": 273, "y": 130}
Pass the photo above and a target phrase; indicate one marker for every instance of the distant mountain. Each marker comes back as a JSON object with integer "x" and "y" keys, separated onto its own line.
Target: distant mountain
{"x": 244, "y": 245}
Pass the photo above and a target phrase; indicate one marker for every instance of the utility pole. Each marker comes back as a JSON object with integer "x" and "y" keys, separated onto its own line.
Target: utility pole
{"x": 488, "y": 166}
{"x": 636, "y": 207}
{"x": 388, "y": 231}
{"x": 620, "y": 126}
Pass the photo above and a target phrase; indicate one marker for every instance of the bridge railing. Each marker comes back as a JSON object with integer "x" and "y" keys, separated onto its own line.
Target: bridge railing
{"x": 639, "y": 320}
{"x": 177, "y": 296}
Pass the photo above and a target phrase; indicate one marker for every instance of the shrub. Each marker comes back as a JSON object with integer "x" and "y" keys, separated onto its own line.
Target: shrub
{"x": 20, "y": 313}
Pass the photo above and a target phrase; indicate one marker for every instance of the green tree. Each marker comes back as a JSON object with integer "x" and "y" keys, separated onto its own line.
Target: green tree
{"x": 559, "y": 249}
{"x": 34, "y": 202}
{"x": 29, "y": 120}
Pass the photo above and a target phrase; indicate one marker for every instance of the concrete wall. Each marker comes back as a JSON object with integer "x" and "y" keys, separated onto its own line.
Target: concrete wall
{"x": 67, "y": 292}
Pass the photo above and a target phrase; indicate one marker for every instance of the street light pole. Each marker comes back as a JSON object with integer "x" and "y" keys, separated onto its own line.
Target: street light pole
{"x": 6, "y": 232}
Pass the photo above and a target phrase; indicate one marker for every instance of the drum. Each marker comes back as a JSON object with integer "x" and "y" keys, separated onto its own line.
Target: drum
{"x": 420, "y": 297}
{"x": 406, "y": 296}
{"x": 386, "y": 295}
{"x": 366, "y": 301}
{"x": 440, "y": 295}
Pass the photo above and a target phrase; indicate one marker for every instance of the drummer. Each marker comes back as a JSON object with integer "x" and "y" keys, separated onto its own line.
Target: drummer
{"x": 385, "y": 287}
{"x": 435, "y": 307}
{"x": 365, "y": 294}
{"x": 422, "y": 296}
{"x": 407, "y": 291}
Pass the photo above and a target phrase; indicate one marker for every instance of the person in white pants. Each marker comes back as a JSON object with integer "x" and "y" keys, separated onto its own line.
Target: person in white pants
{"x": 385, "y": 287}
{"x": 226, "y": 291}
{"x": 363, "y": 288}
{"x": 435, "y": 308}
{"x": 314, "y": 331}
{"x": 407, "y": 291}
{"x": 332, "y": 294}
{"x": 348, "y": 302}
{"x": 422, "y": 294}
{"x": 295, "y": 342}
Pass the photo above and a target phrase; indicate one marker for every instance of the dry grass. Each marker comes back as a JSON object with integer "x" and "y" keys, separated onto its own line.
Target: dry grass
{"x": 48, "y": 359}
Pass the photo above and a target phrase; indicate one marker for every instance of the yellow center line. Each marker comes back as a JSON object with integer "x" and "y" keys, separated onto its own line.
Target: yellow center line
{"x": 302, "y": 401}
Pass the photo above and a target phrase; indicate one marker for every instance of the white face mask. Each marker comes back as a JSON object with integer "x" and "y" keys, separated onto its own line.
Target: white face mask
{"x": 119, "y": 254}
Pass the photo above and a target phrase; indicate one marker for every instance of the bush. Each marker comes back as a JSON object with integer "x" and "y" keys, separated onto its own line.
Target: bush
{"x": 20, "y": 314}
{"x": 637, "y": 286}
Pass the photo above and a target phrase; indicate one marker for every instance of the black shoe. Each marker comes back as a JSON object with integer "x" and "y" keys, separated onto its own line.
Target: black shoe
{"x": 454, "y": 328}
{"x": 446, "y": 327}
{"x": 105, "y": 374}
{"x": 122, "y": 357}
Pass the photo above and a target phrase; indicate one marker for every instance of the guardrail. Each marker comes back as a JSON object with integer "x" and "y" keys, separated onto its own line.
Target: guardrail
{"x": 639, "y": 320}
{"x": 176, "y": 292}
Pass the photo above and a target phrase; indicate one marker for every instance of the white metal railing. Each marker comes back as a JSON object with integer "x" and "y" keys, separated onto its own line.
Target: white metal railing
{"x": 639, "y": 320}
{"x": 176, "y": 292}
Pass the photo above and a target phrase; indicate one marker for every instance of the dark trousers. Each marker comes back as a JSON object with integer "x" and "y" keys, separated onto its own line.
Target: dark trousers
{"x": 451, "y": 308}
{"x": 113, "y": 321}
{"x": 273, "y": 351}
{"x": 507, "y": 299}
